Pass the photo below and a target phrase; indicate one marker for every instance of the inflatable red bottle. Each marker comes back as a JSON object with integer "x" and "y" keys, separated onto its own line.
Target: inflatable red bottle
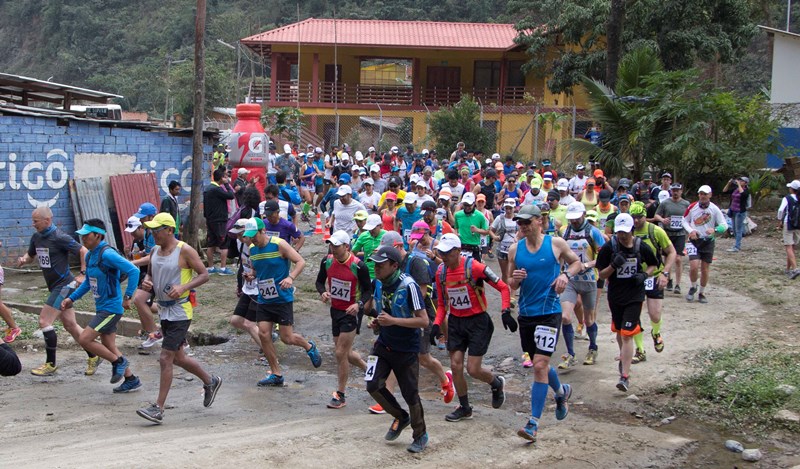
{"x": 250, "y": 144}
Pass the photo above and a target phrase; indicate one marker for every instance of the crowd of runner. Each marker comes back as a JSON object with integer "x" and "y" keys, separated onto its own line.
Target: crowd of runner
{"x": 407, "y": 235}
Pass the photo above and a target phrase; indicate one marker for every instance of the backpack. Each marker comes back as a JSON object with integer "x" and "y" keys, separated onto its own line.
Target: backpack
{"x": 232, "y": 221}
{"x": 111, "y": 273}
{"x": 637, "y": 244}
{"x": 792, "y": 214}
{"x": 476, "y": 285}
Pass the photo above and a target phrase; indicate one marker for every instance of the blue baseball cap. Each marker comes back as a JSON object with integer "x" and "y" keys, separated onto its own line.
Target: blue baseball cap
{"x": 146, "y": 210}
{"x": 344, "y": 178}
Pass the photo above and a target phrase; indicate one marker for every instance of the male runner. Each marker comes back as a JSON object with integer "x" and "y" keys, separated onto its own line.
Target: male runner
{"x": 244, "y": 314}
{"x": 470, "y": 224}
{"x": 702, "y": 221}
{"x": 670, "y": 214}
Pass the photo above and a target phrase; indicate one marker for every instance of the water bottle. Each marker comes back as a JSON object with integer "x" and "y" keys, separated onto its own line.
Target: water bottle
{"x": 136, "y": 252}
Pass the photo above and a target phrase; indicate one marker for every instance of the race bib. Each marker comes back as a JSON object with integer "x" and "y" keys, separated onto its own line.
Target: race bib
{"x": 43, "y": 255}
{"x": 676, "y": 222}
{"x": 628, "y": 269}
{"x": 340, "y": 290}
{"x": 466, "y": 252}
{"x": 545, "y": 338}
{"x": 505, "y": 245}
{"x": 372, "y": 362}
{"x": 650, "y": 284}
{"x": 691, "y": 249}
{"x": 459, "y": 298}
{"x": 93, "y": 287}
{"x": 484, "y": 241}
{"x": 272, "y": 233}
{"x": 267, "y": 289}
{"x": 406, "y": 234}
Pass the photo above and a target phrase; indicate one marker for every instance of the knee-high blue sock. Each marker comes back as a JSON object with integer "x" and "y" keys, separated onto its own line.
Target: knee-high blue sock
{"x": 592, "y": 331}
{"x": 538, "y": 396}
{"x": 569, "y": 338}
{"x": 553, "y": 381}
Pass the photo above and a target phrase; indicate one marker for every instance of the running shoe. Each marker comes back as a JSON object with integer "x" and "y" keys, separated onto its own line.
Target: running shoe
{"x": 794, "y": 274}
{"x": 212, "y": 270}
{"x": 210, "y": 390}
{"x": 91, "y": 365}
{"x": 153, "y": 338}
{"x": 48, "y": 369}
{"x": 271, "y": 380}
{"x": 677, "y": 289}
{"x": 441, "y": 344}
{"x": 623, "y": 384}
{"x": 11, "y": 334}
{"x": 639, "y": 356}
{"x": 459, "y": 414}
{"x": 734, "y": 249}
{"x": 580, "y": 332}
{"x": 658, "y": 342}
{"x": 419, "y": 444}
{"x": 526, "y": 360}
{"x": 669, "y": 285}
{"x": 376, "y": 409}
{"x": 499, "y": 394}
{"x": 154, "y": 413}
{"x": 569, "y": 362}
{"x": 701, "y": 298}
{"x": 690, "y": 294}
{"x": 397, "y": 428}
{"x": 225, "y": 271}
{"x": 448, "y": 390}
{"x": 131, "y": 385}
{"x": 118, "y": 370}
{"x": 337, "y": 401}
{"x": 562, "y": 402}
{"x": 529, "y": 431}
{"x": 591, "y": 357}
{"x": 275, "y": 336}
{"x": 314, "y": 355}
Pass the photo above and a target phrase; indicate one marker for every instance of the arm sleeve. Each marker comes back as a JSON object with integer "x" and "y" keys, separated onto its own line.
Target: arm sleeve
{"x": 322, "y": 277}
{"x": 114, "y": 260}
{"x": 604, "y": 257}
{"x": 164, "y": 205}
{"x": 82, "y": 288}
{"x": 416, "y": 301}
{"x": 481, "y": 271}
{"x": 364, "y": 281}
{"x": 440, "y": 307}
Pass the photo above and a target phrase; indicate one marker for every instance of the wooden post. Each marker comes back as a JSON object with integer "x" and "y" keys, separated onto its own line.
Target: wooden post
{"x": 193, "y": 224}
{"x": 315, "y": 79}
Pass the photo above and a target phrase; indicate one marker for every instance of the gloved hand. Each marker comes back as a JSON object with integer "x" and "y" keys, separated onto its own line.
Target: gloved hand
{"x": 436, "y": 332}
{"x": 618, "y": 261}
{"x": 640, "y": 278}
{"x": 719, "y": 229}
{"x": 508, "y": 321}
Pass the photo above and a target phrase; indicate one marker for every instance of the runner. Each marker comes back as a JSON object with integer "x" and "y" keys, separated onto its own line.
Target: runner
{"x": 51, "y": 247}
{"x": 244, "y": 314}
{"x": 670, "y": 214}
{"x": 140, "y": 256}
{"x": 459, "y": 292}
{"x": 470, "y": 226}
{"x": 368, "y": 241}
{"x": 343, "y": 282}
{"x": 170, "y": 277}
{"x": 702, "y": 221}
{"x": 622, "y": 261}
{"x": 535, "y": 266}
{"x": 504, "y": 231}
{"x": 585, "y": 241}
{"x": 280, "y": 227}
{"x": 271, "y": 258}
{"x": 790, "y": 227}
{"x": 104, "y": 265}
{"x": 407, "y": 215}
{"x": 12, "y": 331}
{"x": 399, "y": 308}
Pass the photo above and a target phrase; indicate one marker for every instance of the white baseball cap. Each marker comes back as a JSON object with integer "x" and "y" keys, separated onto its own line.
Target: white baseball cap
{"x": 414, "y": 178}
{"x": 495, "y": 156}
{"x": 318, "y": 150}
{"x": 425, "y": 151}
{"x": 705, "y": 189}
{"x": 580, "y": 167}
{"x": 338, "y": 238}
{"x": 662, "y": 196}
{"x": 287, "y": 148}
{"x": 421, "y": 183}
{"x": 345, "y": 155}
{"x": 375, "y": 167}
{"x": 355, "y": 167}
{"x": 794, "y": 184}
{"x": 468, "y": 198}
{"x": 371, "y": 149}
{"x": 395, "y": 150}
{"x": 563, "y": 185}
{"x": 449, "y": 242}
{"x": 510, "y": 202}
{"x": 133, "y": 224}
{"x": 239, "y": 226}
{"x": 373, "y": 221}
{"x": 575, "y": 210}
{"x": 344, "y": 190}
{"x": 243, "y": 171}
{"x": 359, "y": 155}
{"x": 369, "y": 181}
{"x": 623, "y": 222}
{"x": 410, "y": 198}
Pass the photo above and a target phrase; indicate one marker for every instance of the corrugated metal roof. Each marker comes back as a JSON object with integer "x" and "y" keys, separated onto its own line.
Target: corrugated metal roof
{"x": 381, "y": 33}
{"x": 92, "y": 204}
{"x": 16, "y": 85}
{"x": 130, "y": 191}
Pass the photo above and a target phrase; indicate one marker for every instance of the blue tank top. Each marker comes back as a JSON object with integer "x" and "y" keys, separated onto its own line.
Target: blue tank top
{"x": 320, "y": 165}
{"x": 270, "y": 269}
{"x": 537, "y": 297}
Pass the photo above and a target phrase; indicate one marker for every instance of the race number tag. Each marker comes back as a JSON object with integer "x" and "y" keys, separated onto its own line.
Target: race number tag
{"x": 628, "y": 269}
{"x": 372, "y": 362}
{"x": 691, "y": 249}
{"x": 459, "y": 298}
{"x": 43, "y": 255}
{"x": 676, "y": 222}
{"x": 267, "y": 288}
{"x": 545, "y": 338}
{"x": 505, "y": 246}
{"x": 340, "y": 290}
{"x": 93, "y": 287}
{"x": 466, "y": 252}
{"x": 271, "y": 234}
{"x": 650, "y": 283}
{"x": 484, "y": 241}
{"x": 406, "y": 234}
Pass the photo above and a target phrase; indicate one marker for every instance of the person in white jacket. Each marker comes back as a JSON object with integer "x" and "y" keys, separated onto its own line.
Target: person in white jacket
{"x": 703, "y": 221}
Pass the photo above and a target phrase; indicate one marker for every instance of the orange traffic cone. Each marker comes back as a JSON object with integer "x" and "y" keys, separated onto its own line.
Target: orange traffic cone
{"x": 318, "y": 229}
{"x": 326, "y": 236}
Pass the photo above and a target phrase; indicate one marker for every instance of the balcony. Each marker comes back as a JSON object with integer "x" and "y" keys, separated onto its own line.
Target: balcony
{"x": 289, "y": 92}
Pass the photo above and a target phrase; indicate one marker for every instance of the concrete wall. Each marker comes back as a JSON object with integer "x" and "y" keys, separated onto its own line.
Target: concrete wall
{"x": 785, "y": 69}
{"x": 38, "y": 155}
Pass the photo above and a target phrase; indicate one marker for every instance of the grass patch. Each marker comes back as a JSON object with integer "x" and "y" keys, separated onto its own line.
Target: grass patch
{"x": 29, "y": 324}
{"x": 740, "y": 385}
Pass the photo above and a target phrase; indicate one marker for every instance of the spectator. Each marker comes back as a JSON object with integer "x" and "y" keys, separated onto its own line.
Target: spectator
{"x": 790, "y": 227}
{"x": 169, "y": 204}
{"x": 740, "y": 198}
{"x": 215, "y": 211}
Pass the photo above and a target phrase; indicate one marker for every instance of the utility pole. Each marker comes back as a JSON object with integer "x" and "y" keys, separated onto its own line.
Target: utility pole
{"x": 197, "y": 130}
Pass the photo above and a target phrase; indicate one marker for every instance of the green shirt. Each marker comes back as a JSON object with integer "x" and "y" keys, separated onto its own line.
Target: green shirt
{"x": 464, "y": 224}
{"x": 559, "y": 213}
{"x": 368, "y": 243}
{"x": 661, "y": 239}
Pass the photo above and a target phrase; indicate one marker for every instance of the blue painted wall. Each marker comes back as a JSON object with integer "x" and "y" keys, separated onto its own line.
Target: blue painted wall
{"x": 37, "y": 159}
{"x": 790, "y": 137}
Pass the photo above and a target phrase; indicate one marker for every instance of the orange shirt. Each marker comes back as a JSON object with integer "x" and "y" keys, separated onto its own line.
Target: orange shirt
{"x": 462, "y": 299}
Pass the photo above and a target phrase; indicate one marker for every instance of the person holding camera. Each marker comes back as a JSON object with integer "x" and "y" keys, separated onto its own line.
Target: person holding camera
{"x": 740, "y": 202}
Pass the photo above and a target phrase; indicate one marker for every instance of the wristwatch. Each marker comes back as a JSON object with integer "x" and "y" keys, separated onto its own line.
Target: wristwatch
{"x": 126, "y": 297}
{"x": 666, "y": 274}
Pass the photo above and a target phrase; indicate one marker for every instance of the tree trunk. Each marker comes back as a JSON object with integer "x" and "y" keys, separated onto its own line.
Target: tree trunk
{"x": 197, "y": 135}
{"x": 616, "y": 17}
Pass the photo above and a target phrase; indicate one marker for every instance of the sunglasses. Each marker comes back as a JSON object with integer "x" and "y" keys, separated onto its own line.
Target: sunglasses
{"x": 131, "y": 225}
{"x": 160, "y": 228}
{"x": 636, "y": 217}
{"x": 524, "y": 222}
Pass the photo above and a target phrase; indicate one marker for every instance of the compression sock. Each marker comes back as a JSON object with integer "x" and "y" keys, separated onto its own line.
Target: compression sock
{"x": 464, "y": 401}
{"x": 306, "y": 208}
{"x": 592, "y": 331}
{"x": 639, "y": 341}
{"x": 569, "y": 338}
{"x": 656, "y": 327}
{"x": 694, "y": 284}
{"x": 554, "y": 382}
{"x": 538, "y": 396}
{"x": 701, "y": 289}
{"x": 50, "y": 344}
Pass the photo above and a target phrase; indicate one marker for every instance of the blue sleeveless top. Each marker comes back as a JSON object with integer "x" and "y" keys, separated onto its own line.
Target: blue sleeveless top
{"x": 270, "y": 269}
{"x": 537, "y": 297}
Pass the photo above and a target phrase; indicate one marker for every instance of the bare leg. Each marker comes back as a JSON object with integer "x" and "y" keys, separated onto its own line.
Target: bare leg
{"x": 265, "y": 334}
{"x": 344, "y": 348}
{"x": 247, "y": 326}
{"x": 145, "y": 314}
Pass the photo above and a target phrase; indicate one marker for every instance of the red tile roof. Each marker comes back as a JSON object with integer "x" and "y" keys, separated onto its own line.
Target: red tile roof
{"x": 399, "y": 34}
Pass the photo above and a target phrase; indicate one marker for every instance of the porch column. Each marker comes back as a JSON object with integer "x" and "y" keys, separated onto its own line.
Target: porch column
{"x": 503, "y": 79}
{"x": 415, "y": 85}
{"x": 315, "y": 80}
{"x": 273, "y": 77}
